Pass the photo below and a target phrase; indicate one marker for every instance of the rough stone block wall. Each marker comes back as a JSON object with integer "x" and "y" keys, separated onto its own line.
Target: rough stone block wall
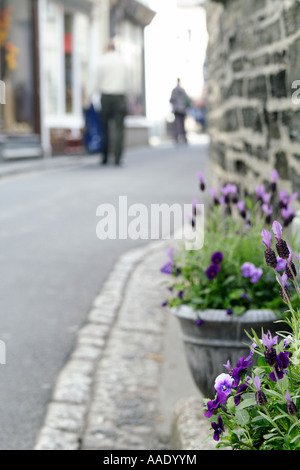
{"x": 253, "y": 104}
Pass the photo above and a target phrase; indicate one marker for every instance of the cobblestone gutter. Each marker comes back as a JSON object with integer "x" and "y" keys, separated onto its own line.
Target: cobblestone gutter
{"x": 106, "y": 396}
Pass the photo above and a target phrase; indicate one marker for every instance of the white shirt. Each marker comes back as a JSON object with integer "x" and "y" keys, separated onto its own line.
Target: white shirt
{"x": 112, "y": 74}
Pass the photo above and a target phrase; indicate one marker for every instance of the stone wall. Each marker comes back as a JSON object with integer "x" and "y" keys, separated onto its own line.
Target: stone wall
{"x": 253, "y": 110}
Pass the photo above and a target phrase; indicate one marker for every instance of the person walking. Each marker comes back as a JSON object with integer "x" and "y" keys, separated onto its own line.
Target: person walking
{"x": 113, "y": 85}
{"x": 180, "y": 103}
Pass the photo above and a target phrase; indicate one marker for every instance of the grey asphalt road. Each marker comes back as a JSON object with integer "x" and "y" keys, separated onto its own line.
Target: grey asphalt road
{"x": 52, "y": 264}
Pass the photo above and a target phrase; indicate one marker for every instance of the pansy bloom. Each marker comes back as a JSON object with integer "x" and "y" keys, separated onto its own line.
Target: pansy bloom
{"x": 212, "y": 271}
{"x": 218, "y": 428}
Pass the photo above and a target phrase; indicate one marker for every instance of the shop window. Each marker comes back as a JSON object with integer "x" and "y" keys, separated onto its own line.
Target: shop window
{"x": 17, "y": 66}
{"x": 68, "y": 60}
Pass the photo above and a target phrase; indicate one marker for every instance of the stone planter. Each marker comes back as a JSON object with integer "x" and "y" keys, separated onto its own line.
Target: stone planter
{"x": 220, "y": 338}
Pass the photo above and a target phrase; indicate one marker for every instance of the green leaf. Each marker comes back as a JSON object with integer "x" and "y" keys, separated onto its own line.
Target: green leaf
{"x": 242, "y": 417}
{"x": 246, "y": 403}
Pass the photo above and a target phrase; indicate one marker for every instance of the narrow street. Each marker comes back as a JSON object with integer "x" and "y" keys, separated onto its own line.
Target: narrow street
{"x": 53, "y": 264}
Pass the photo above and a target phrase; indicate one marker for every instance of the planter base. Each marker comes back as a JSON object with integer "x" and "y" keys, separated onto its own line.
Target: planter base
{"x": 220, "y": 338}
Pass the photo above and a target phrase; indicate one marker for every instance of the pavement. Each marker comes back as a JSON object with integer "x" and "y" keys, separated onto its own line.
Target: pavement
{"x": 126, "y": 385}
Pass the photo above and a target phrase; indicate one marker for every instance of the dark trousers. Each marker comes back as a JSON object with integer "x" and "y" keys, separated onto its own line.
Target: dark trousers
{"x": 179, "y": 129}
{"x": 113, "y": 109}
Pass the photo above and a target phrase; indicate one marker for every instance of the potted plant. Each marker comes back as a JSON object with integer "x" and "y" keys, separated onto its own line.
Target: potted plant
{"x": 259, "y": 409}
{"x": 223, "y": 289}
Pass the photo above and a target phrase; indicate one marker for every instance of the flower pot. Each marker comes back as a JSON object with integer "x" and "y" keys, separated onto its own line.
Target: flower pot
{"x": 221, "y": 337}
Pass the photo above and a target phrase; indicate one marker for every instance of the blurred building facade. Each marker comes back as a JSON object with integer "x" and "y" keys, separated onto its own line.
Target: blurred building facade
{"x": 254, "y": 90}
{"x": 48, "y": 51}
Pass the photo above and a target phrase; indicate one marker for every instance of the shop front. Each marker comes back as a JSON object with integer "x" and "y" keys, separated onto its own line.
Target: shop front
{"x": 19, "y": 78}
{"x": 65, "y": 42}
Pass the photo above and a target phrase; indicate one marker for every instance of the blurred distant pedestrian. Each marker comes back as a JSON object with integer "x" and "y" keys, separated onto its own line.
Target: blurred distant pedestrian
{"x": 113, "y": 85}
{"x": 180, "y": 103}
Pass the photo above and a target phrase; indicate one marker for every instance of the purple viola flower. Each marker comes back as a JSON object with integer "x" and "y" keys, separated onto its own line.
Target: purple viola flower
{"x": 180, "y": 294}
{"x": 167, "y": 268}
{"x": 229, "y": 311}
{"x": 247, "y": 269}
{"x": 218, "y": 428}
{"x": 266, "y": 238}
{"x": 199, "y": 321}
{"x": 242, "y": 388}
{"x": 223, "y": 383}
{"x": 281, "y": 264}
{"x": 281, "y": 364}
{"x": 214, "y": 404}
{"x": 256, "y": 275}
{"x": 212, "y": 271}
{"x": 239, "y": 369}
{"x": 217, "y": 257}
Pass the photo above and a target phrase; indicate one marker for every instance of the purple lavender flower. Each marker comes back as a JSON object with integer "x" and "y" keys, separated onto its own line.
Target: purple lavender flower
{"x": 228, "y": 366}
{"x": 268, "y": 210}
{"x": 269, "y": 342}
{"x": 214, "y": 404}
{"x": 259, "y": 395}
{"x": 274, "y": 177}
{"x": 290, "y": 406}
{"x": 281, "y": 246}
{"x": 266, "y": 238}
{"x": 217, "y": 257}
{"x": 288, "y": 215}
{"x": 212, "y": 271}
{"x": 260, "y": 191}
{"x": 266, "y": 198}
{"x": 201, "y": 180}
{"x": 277, "y": 229}
{"x": 284, "y": 290}
{"x": 281, "y": 364}
{"x": 218, "y": 428}
{"x": 223, "y": 383}
{"x": 239, "y": 369}
{"x": 213, "y": 193}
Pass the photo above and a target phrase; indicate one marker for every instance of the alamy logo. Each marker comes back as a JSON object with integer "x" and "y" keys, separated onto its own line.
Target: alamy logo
{"x": 161, "y": 221}
{"x": 2, "y": 92}
{"x": 295, "y": 95}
